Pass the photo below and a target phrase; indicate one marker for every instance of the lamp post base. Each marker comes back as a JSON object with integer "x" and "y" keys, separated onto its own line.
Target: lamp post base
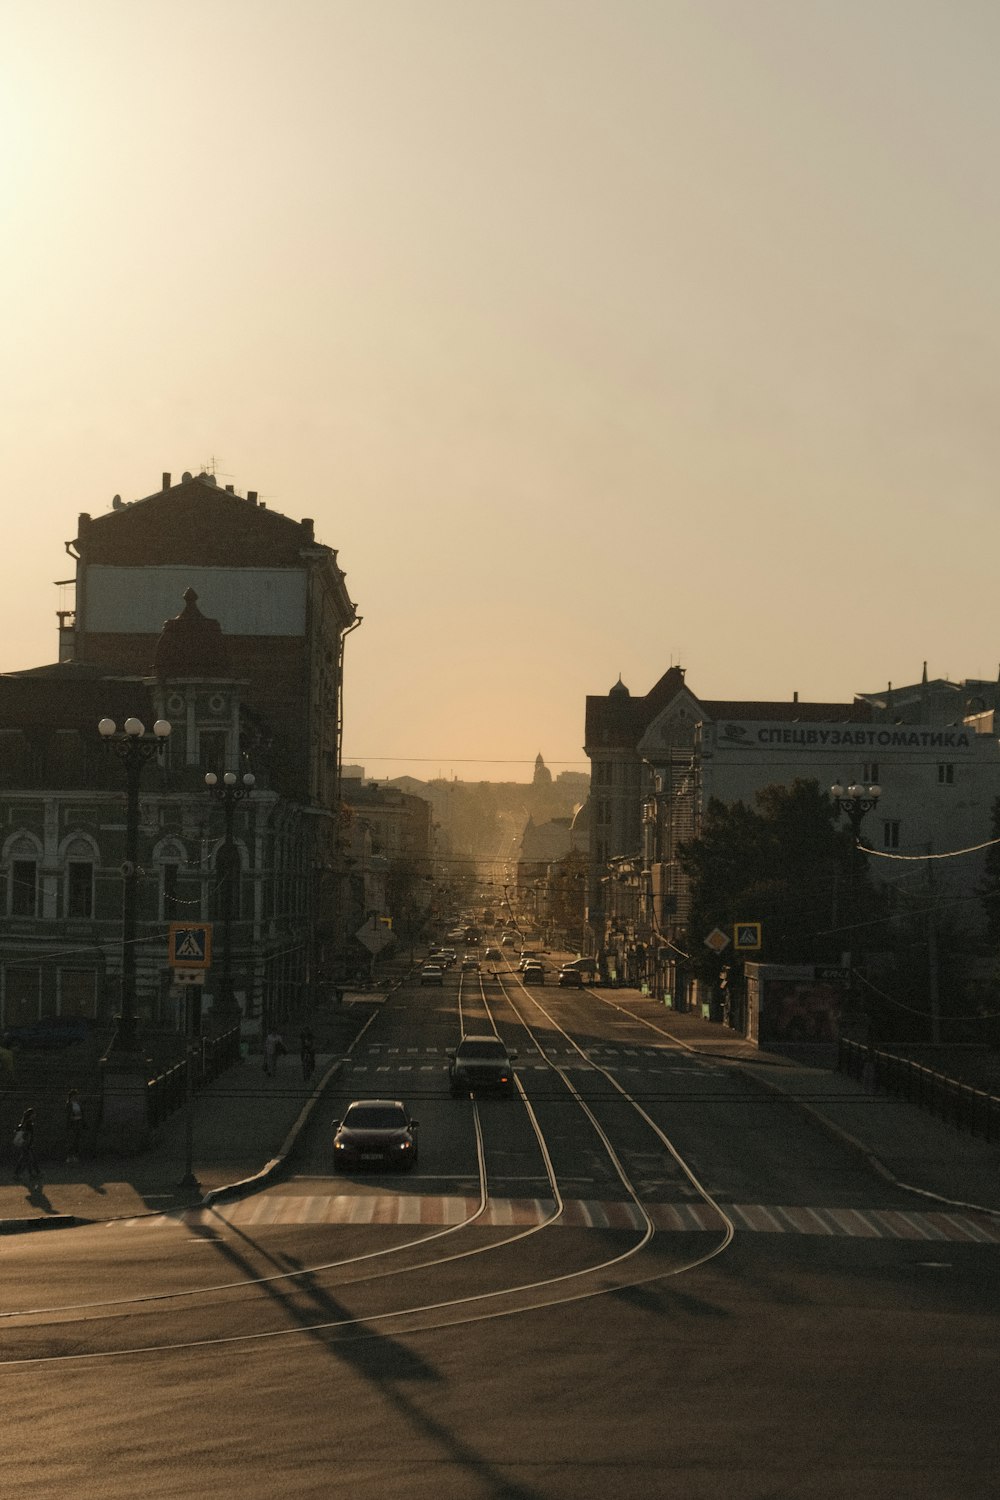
{"x": 125, "y": 1126}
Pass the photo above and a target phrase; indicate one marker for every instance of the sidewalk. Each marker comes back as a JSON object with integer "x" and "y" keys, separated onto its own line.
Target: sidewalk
{"x": 243, "y": 1126}
{"x": 245, "y": 1123}
{"x": 904, "y": 1144}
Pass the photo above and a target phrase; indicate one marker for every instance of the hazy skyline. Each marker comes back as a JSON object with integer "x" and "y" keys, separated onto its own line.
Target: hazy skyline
{"x": 596, "y": 337}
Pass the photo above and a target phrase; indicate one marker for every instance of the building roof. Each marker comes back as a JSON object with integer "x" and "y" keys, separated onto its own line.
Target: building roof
{"x": 618, "y": 720}
{"x": 198, "y": 522}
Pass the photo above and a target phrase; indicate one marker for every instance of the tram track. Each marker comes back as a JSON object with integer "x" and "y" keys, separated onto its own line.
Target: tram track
{"x": 512, "y": 1297}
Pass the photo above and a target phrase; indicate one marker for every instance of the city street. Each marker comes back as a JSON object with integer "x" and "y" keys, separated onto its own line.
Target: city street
{"x": 641, "y": 1275}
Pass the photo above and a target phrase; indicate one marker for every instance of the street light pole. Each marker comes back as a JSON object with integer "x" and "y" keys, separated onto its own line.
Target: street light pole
{"x": 133, "y": 749}
{"x": 855, "y": 801}
{"x": 229, "y": 792}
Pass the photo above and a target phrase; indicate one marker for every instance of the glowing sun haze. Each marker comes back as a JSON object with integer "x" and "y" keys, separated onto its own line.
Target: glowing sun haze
{"x": 595, "y": 336}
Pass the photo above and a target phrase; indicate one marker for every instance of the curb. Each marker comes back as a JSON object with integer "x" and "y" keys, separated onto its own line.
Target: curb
{"x": 44, "y": 1221}
{"x": 229, "y": 1191}
{"x": 844, "y": 1138}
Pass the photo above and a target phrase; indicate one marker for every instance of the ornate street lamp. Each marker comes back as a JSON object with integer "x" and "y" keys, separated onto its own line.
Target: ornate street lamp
{"x": 229, "y": 791}
{"x": 134, "y": 748}
{"x": 855, "y": 801}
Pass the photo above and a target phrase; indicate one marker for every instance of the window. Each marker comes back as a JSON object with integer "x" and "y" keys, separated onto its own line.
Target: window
{"x": 22, "y": 996}
{"x": 869, "y": 772}
{"x": 212, "y": 750}
{"x": 80, "y": 889}
{"x": 171, "y": 902}
{"x": 603, "y": 773}
{"x": 890, "y": 834}
{"x": 946, "y": 775}
{"x": 78, "y": 992}
{"x": 23, "y": 888}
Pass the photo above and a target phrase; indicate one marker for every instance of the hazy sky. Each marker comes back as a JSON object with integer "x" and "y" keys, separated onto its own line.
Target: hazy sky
{"x": 597, "y": 335}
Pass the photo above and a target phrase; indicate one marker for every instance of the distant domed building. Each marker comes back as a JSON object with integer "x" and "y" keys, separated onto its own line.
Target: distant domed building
{"x": 542, "y": 779}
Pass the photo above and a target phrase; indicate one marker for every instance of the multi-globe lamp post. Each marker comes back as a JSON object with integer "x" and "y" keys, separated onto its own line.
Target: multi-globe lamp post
{"x": 855, "y": 801}
{"x": 133, "y": 748}
{"x": 229, "y": 791}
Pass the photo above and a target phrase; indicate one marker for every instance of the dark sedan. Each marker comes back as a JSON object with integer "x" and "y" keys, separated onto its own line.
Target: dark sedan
{"x": 375, "y": 1133}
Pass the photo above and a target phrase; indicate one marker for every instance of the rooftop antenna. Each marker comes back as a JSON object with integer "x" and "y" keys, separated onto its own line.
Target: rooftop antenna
{"x": 211, "y": 468}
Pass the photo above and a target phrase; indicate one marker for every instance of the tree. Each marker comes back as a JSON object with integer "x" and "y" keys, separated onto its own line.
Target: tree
{"x": 786, "y": 864}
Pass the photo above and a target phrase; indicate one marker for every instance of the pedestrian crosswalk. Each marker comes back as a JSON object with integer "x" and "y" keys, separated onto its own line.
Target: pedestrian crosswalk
{"x": 380, "y": 1058}
{"x": 438, "y": 1209}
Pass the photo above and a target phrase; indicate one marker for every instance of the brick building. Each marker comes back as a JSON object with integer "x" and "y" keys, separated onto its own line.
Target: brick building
{"x": 228, "y": 620}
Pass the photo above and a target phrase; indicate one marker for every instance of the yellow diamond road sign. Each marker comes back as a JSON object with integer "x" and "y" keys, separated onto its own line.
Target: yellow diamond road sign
{"x": 717, "y": 940}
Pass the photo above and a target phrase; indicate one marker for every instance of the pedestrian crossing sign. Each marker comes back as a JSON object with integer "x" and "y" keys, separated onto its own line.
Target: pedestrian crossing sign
{"x": 747, "y": 937}
{"x": 190, "y": 945}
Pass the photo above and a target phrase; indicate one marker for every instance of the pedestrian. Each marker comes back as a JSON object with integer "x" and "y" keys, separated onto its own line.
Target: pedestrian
{"x": 274, "y": 1047}
{"x": 74, "y": 1124}
{"x": 307, "y": 1052}
{"x": 24, "y": 1145}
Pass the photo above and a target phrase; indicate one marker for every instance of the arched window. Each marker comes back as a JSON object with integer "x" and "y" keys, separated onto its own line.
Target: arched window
{"x": 22, "y": 856}
{"x": 171, "y": 859}
{"x": 78, "y": 857}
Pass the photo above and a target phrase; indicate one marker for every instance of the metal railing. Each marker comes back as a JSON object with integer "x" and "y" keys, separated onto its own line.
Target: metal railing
{"x": 960, "y": 1104}
{"x": 210, "y": 1056}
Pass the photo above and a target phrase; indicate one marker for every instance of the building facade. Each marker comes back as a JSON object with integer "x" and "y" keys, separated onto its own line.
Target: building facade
{"x": 657, "y": 762}
{"x": 262, "y": 698}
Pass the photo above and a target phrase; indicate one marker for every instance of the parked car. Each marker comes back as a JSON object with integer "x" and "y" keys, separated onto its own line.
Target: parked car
{"x": 375, "y": 1132}
{"x": 50, "y": 1034}
{"x": 478, "y": 1064}
{"x": 571, "y": 979}
{"x": 432, "y": 974}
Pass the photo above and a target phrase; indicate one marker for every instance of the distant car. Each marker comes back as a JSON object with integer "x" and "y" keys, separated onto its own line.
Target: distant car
{"x": 375, "y": 1133}
{"x": 493, "y": 953}
{"x": 432, "y": 974}
{"x": 470, "y": 965}
{"x": 479, "y": 1064}
{"x": 533, "y": 974}
{"x": 571, "y": 979}
{"x": 506, "y": 941}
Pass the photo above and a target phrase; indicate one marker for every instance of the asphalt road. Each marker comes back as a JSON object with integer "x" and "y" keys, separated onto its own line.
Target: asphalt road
{"x": 640, "y": 1277}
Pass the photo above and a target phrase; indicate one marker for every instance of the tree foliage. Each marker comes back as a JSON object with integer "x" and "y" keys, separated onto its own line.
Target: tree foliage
{"x": 784, "y": 863}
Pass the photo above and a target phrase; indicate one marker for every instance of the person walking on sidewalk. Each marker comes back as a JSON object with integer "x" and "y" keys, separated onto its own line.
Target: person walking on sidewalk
{"x": 74, "y": 1124}
{"x": 24, "y": 1145}
{"x": 274, "y": 1047}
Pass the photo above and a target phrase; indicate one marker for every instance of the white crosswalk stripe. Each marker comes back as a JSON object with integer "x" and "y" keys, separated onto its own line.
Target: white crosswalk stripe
{"x": 433, "y": 1209}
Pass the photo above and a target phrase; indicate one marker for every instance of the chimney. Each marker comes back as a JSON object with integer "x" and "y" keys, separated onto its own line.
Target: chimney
{"x": 252, "y": 496}
{"x": 166, "y": 480}
{"x": 307, "y": 527}
{"x": 230, "y": 489}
